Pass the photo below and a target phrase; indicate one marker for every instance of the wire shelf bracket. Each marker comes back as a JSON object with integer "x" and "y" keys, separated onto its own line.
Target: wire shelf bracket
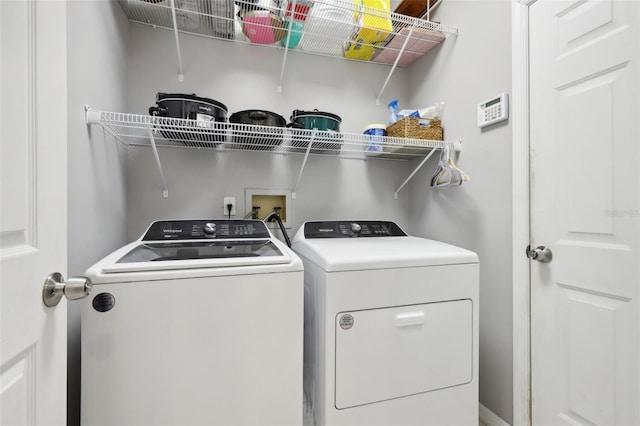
{"x": 165, "y": 190}
{"x": 175, "y": 33}
{"x": 93, "y": 117}
{"x": 304, "y": 163}
{"x": 286, "y": 47}
{"x": 395, "y": 64}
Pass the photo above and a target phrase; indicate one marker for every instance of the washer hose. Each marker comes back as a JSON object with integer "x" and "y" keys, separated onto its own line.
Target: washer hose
{"x": 275, "y": 216}
{"x": 253, "y": 214}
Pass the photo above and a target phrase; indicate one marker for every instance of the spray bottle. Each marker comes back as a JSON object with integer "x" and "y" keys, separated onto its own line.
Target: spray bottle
{"x": 393, "y": 111}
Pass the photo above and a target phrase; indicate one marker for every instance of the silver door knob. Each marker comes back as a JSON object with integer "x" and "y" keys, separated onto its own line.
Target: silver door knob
{"x": 541, "y": 254}
{"x": 55, "y": 287}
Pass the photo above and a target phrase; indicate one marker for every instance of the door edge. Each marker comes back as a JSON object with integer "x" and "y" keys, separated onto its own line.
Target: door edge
{"x": 520, "y": 212}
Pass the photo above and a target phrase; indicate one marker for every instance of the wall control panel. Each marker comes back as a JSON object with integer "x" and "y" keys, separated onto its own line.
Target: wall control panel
{"x": 493, "y": 110}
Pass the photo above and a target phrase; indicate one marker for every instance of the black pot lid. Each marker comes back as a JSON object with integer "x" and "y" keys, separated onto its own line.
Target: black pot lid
{"x": 315, "y": 113}
{"x": 248, "y": 112}
{"x": 185, "y": 97}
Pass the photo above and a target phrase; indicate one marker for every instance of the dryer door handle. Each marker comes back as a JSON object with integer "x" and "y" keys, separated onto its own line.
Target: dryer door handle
{"x": 409, "y": 318}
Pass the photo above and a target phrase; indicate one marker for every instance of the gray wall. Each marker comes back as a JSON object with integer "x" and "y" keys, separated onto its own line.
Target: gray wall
{"x": 245, "y": 77}
{"x": 462, "y": 72}
{"x": 97, "y": 70}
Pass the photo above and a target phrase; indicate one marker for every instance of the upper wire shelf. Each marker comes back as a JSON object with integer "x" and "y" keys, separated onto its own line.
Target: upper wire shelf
{"x": 336, "y": 28}
{"x": 328, "y": 27}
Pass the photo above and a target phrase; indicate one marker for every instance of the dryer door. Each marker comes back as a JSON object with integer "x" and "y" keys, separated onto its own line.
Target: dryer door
{"x": 395, "y": 352}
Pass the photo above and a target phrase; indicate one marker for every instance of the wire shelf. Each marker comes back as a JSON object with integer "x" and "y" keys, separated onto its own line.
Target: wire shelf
{"x": 145, "y": 130}
{"x": 335, "y": 28}
{"x": 154, "y": 131}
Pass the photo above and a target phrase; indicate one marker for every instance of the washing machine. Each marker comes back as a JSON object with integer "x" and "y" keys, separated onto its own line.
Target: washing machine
{"x": 391, "y": 326}
{"x": 198, "y": 322}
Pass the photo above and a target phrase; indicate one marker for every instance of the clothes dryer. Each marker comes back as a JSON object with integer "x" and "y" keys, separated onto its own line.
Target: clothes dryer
{"x": 199, "y": 322}
{"x": 391, "y": 326}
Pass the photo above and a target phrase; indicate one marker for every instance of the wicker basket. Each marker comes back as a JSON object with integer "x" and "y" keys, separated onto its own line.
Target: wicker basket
{"x": 409, "y": 127}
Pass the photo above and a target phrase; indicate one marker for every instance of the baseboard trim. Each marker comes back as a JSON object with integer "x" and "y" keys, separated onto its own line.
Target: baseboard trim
{"x": 490, "y": 418}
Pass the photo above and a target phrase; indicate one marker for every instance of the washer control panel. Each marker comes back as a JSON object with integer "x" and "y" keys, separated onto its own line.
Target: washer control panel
{"x": 205, "y": 229}
{"x": 352, "y": 229}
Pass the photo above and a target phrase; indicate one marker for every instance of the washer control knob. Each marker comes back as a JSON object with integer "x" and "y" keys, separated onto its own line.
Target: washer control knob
{"x": 210, "y": 228}
{"x": 356, "y": 228}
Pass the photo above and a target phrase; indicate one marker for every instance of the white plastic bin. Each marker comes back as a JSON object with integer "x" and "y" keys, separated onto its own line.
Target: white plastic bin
{"x": 328, "y": 25}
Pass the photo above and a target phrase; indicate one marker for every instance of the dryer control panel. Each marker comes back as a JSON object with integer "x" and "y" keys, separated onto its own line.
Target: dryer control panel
{"x": 205, "y": 229}
{"x": 352, "y": 229}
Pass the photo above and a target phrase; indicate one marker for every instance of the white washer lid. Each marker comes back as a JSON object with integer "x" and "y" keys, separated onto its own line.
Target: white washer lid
{"x": 353, "y": 254}
{"x": 210, "y": 247}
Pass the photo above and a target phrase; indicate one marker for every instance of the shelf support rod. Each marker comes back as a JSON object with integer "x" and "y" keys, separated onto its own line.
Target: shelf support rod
{"x": 286, "y": 46}
{"x": 175, "y": 34}
{"x": 395, "y": 63}
{"x": 304, "y": 162}
{"x": 395, "y": 194}
{"x": 165, "y": 191}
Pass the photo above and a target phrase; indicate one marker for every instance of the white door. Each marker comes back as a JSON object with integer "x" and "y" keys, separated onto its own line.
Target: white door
{"x": 33, "y": 210}
{"x": 585, "y": 137}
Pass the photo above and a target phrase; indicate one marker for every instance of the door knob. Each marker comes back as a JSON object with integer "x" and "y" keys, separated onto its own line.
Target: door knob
{"x": 55, "y": 287}
{"x": 541, "y": 254}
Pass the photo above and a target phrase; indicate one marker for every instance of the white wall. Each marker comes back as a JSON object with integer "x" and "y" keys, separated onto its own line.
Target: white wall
{"x": 245, "y": 77}
{"x": 97, "y": 69}
{"x": 463, "y": 71}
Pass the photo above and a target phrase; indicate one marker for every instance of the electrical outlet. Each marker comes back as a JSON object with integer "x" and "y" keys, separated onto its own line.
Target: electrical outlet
{"x": 227, "y": 201}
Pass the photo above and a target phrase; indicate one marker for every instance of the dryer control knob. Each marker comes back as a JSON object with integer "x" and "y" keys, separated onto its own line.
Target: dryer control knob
{"x": 356, "y": 228}
{"x": 210, "y": 228}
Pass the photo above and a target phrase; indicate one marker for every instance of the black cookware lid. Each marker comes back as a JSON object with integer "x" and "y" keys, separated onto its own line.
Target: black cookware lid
{"x": 192, "y": 97}
{"x": 256, "y": 114}
{"x": 315, "y": 113}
